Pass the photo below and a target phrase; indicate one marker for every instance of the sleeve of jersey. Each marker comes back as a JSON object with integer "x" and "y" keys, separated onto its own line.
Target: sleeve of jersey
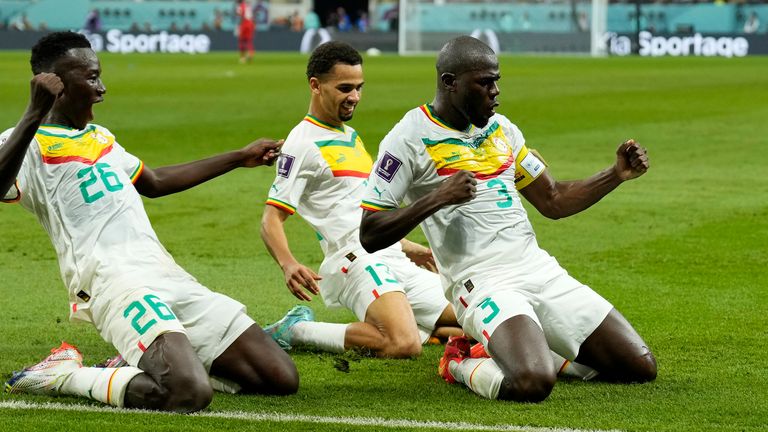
{"x": 391, "y": 176}
{"x": 130, "y": 164}
{"x": 294, "y": 168}
{"x": 14, "y": 193}
{"x": 528, "y": 166}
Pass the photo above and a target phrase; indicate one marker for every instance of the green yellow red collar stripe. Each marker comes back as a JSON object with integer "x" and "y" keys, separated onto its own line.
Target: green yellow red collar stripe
{"x": 45, "y": 132}
{"x": 430, "y": 113}
{"x": 317, "y": 122}
{"x": 281, "y": 205}
{"x": 367, "y": 205}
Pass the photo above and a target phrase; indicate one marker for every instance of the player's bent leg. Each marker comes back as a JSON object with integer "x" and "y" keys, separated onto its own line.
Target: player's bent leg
{"x": 618, "y": 352}
{"x": 447, "y": 325}
{"x": 257, "y": 364}
{"x": 392, "y": 316}
{"x": 520, "y": 350}
{"x": 174, "y": 379}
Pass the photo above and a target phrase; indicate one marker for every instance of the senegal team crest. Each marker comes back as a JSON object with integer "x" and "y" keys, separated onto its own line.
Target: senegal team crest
{"x": 57, "y": 147}
{"x": 487, "y": 155}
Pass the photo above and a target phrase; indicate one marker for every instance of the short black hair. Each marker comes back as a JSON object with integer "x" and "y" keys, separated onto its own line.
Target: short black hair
{"x": 463, "y": 54}
{"x": 327, "y": 55}
{"x": 53, "y": 47}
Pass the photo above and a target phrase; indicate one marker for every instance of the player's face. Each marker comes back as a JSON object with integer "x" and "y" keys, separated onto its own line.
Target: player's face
{"x": 340, "y": 91}
{"x": 477, "y": 92}
{"x": 80, "y": 71}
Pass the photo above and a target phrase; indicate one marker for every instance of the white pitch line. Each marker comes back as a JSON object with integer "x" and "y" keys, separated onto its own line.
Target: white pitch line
{"x": 277, "y": 417}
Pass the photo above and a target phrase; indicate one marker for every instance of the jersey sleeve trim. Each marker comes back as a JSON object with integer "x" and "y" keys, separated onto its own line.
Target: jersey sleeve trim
{"x": 284, "y": 206}
{"x": 17, "y": 198}
{"x": 370, "y": 206}
{"x": 137, "y": 172}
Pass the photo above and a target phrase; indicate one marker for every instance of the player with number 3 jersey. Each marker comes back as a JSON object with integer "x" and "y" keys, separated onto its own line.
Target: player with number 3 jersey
{"x": 460, "y": 169}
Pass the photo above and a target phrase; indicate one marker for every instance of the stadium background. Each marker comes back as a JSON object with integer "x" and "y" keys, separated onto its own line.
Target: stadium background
{"x": 681, "y": 251}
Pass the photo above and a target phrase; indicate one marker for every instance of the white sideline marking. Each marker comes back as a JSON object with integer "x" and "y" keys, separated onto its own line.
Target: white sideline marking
{"x": 277, "y": 417}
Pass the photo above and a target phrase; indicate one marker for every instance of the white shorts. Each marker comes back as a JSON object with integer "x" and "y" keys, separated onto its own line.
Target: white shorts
{"x": 566, "y": 310}
{"x": 355, "y": 278}
{"x": 138, "y": 312}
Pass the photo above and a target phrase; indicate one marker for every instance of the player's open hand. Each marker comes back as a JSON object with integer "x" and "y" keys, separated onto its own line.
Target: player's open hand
{"x": 301, "y": 280}
{"x": 44, "y": 89}
{"x": 420, "y": 255}
{"x": 631, "y": 160}
{"x": 263, "y": 151}
{"x": 458, "y": 188}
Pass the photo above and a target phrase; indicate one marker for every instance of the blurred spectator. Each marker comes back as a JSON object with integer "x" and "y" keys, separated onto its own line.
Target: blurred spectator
{"x": 752, "y": 24}
{"x": 297, "y": 23}
{"x": 344, "y": 23}
{"x": 261, "y": 15}
{"x": 311, "y": 20}
{"x": 21, "y": 23}
{"x": 148, "y": 27}
{"x": 218, "y": 19}
{"x": 362, "y": 21}
{"x": 583, "y": 21}
{"x": 392, "y": 16}
{"x": 92, "y": 21}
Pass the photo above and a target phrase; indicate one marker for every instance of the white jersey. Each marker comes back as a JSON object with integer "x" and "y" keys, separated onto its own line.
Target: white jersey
{"x": 321, "y": 175}
{"x": 79, "y": 184}
{"x": 492, "y": 230}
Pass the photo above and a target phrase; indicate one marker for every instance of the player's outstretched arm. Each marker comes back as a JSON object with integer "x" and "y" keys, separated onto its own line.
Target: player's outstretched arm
{"x": 559, "y": 199}
{"x": 158, "y": 182}
{"x": 44, "y": 89}
{"x": 299, "y": 278}
{"x": 382, "y": 229}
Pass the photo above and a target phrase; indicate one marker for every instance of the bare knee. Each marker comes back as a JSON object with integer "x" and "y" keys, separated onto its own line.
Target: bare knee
{"x": 401, "y": 347}
{"x": 188, "y": 394}
{"x": 642, "y": 368}
{"x": 283, "y": 380}
{"x": 527, "y": 386}
{"x": 183, "y": 393}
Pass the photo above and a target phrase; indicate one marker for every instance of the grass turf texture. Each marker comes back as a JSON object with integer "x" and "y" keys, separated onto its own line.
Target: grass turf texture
{"x": 681, "y": 251}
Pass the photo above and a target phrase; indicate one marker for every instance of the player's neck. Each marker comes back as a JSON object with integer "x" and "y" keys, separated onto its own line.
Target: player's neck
{"x": 61, "y": 119}
{"x": 325, "y": 119}
{"x": 452, "y": 117}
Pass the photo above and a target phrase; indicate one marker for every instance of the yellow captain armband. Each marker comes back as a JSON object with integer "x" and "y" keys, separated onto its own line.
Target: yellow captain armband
{"x": 529, "y": 165}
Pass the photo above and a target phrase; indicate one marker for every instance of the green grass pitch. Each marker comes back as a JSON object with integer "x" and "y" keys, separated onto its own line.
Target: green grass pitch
{"x": 681, "y": 251}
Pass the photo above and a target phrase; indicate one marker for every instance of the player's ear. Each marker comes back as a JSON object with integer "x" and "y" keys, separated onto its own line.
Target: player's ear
{"x": 448, "y": 80}
{"x": 314, "y": 85}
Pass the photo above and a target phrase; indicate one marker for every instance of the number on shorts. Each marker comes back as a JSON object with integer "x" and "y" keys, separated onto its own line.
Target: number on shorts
{"x": 387, "y": 277}
{"x": 488, "y": 303}
{"x": 161, "y": 310}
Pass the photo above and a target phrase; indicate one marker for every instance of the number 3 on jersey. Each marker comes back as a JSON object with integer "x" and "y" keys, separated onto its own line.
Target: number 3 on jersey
{"x": 506, "y": 201}
{"x": 109, "y": 181}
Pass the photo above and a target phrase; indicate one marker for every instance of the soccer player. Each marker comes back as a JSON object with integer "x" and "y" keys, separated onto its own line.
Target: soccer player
{"x": 460, "y": 168}
{"x": 321, "y": 175}
{"x": 245, "y": 30}
{"x": 84, "y": 189}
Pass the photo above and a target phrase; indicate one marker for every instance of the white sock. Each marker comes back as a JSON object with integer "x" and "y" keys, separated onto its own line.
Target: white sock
{"x": 481, "y": 375}
{"x": 224, "y": 385}
{"x": 102, "y": 384}
{"x": 325, "y": 336}
{"x": 568, "y": 368}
